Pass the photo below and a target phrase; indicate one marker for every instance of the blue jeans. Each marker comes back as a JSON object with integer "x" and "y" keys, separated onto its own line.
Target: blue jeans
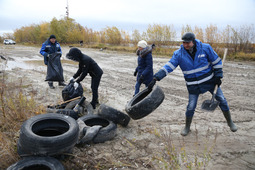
{"x": 137, "y": 87}
{"x": 193, "y": 102}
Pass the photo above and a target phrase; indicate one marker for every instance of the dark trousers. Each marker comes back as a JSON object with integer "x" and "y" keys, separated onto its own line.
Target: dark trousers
{"x": 51, "y": 83}
{"x": 95, "y": 81}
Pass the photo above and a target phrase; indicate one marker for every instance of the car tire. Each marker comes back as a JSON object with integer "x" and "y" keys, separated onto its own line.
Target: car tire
{"x": 37, "y": 163}
{"x": 108, "y": 130}
{"x": 86, "y": 106}
{"x": 145, "y": 102}
{"x": 68, "y": 112}
{"x": 114, "y": 115}
{"x": 47, "y": 135}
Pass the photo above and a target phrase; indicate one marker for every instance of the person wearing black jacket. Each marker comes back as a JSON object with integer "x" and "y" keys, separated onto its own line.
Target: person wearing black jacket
{"x": 86, "y": 65}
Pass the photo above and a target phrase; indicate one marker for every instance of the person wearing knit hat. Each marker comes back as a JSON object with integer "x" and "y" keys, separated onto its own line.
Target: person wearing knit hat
{"x": 144, "y": 70}
{"x": 52, "y": 36}
{"x": 142, "y": 44}
{"x": 49, "y": 47}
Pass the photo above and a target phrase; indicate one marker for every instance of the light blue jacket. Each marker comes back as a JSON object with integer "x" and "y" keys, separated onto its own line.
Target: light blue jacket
{"x": 199, "y": 73}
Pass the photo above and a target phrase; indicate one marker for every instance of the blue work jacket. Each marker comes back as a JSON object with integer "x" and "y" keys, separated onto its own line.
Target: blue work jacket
{"x": 145, "y": 67}
{"x": 49, "y": 48}
{"x": 200, "y": 72}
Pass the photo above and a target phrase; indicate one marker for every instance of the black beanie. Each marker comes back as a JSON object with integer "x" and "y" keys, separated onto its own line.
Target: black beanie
{"x": 52, "y": 36}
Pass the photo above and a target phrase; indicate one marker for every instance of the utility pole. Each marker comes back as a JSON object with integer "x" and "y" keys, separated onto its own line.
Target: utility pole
{"x": 67, "y": 9}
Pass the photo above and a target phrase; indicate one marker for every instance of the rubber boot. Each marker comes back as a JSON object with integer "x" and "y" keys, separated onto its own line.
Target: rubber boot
{"x": 51, "y": 85}
{"x": 231, "y": 124}
{"x": 94, "y": 104}
{"x": 61, "y": 83}
{"x": 186, "y": 130}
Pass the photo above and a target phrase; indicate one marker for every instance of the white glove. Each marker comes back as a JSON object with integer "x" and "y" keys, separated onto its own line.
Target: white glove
{"x": 76, "y": 85}
{"x": 71, "y": 79}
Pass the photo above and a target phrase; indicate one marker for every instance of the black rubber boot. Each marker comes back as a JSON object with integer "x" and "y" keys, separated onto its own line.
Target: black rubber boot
{"x": 94, "y": 104}
{"x": 186, "y": 130}
{"x": 51, "y": 85}
{"x": 231, "y": 124}
{"x": 61, "y": 83}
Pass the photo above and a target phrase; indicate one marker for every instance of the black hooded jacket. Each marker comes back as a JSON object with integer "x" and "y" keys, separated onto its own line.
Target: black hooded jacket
{"x": 86, "y": 65}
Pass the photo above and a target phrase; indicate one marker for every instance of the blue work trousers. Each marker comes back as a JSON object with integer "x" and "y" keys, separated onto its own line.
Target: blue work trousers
{"x": 193, "y": 102}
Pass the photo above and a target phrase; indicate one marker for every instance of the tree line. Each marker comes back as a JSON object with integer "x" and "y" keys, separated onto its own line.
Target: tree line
{"x": 68, "y": 31}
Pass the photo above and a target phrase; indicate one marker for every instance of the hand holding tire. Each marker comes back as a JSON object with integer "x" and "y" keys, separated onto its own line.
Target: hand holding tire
{"x": 218, "y": 81}
{"x": 152, "y": 83}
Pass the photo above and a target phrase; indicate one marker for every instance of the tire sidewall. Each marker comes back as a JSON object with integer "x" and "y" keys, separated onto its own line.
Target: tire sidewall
{"x": 50, "y": 162}
{"x": 114, "y": 115}
{"x": 147, "y": 105}
{"x": 105, "y": 133}
{"x": 33, "y": 144}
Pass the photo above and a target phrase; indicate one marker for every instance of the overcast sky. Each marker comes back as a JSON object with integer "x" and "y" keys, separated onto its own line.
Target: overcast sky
{"x": 128, "y": 14}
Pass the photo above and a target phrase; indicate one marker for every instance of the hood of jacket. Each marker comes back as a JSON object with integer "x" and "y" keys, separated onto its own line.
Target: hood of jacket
{"x": 74, "y": 54}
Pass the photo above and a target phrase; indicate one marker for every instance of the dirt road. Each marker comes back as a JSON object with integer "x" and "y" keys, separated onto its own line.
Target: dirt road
{"x": 136, "y": 146}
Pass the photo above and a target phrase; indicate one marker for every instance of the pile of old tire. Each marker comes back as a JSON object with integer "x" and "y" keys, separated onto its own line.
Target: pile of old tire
{"x": 145, "y": 102}
{"x": 97, "y": 129}
{"x": 33, "y": 163}
{"x": 113, "y": 114}
{"x": 67, "y": 109}
{"x": 48, "y": 134}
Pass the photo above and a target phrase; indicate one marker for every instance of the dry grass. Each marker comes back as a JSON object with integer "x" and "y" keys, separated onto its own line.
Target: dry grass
{"x": 173, "y": 157}
{"x": 16, "y": 106}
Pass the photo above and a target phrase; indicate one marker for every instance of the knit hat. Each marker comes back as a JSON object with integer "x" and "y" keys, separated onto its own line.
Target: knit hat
{"x": 142, "y": 44}
{"x": 52, "y": 36}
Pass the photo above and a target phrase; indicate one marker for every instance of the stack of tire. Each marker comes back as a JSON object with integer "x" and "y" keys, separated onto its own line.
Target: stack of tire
{"x": 46, "y": 136}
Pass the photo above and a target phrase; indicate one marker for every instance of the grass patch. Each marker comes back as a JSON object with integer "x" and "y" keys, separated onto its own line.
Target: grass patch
{"x": 177, "y": 157}
{"x": 16, "y": 106}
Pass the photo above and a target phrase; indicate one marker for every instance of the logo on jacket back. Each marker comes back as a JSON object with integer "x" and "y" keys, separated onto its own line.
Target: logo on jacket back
{"x": 201, "y": 55}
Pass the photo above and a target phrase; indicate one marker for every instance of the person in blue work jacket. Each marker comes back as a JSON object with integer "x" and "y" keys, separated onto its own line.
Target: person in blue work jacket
{"x": 51, "y": 46}
{"x": 144, "y": 70}
{"x": 202, "y": 69}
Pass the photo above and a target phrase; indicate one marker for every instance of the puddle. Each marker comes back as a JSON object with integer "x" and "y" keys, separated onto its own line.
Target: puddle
{"x": 9, "y": 65}
{"x": 27, "y": 64}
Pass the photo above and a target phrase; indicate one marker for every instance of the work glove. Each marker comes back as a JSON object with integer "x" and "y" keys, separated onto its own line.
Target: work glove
{"x": 59, "y": 53}
{"x": 75, "y": 85}
{"x": 217, "y": 81}
{"x": 141, "y": 79}
{"x": 135, "y": 73}
{"x": 152, "y": 83}
{"x": 153, "y": 46}
{"x": 71, "y": 80}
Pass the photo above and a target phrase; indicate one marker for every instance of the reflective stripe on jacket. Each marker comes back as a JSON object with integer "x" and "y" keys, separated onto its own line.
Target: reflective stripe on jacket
{"x": 49, "y": 48}
{"x": 198, "y": 73}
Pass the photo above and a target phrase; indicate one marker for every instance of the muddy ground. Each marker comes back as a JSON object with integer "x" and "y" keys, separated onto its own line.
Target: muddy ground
{"x": 136, "y": 145}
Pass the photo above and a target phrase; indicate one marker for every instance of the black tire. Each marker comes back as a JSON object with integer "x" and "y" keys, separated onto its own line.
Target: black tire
{"x": 145, "y": 102}
{"x": 114, "y": 115}
{"x": 108, "y": 130}
{"x": 72, "y": 104}
{"x": 68, "y": 112}
{"x": 86, "y": 106}
{"x": 48, "y": 163}
{"x": 47, "y": 135}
